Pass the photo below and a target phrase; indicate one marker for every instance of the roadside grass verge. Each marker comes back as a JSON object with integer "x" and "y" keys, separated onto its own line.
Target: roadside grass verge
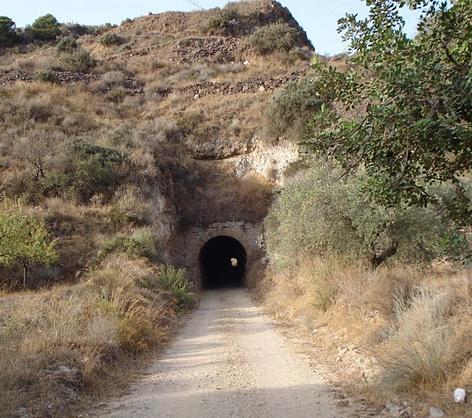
{"x": 62, "y": 347}
{"x": 413, "y": 323}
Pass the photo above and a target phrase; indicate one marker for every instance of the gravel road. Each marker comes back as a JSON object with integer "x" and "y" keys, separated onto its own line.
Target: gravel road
{"x": 228, "y": 361}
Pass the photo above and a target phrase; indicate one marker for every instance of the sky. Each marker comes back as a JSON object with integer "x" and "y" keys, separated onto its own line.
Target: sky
{"x": 317, "y": 17}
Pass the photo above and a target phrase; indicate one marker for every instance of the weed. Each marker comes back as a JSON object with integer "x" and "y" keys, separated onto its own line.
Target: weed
{"x": 174, "y": 281}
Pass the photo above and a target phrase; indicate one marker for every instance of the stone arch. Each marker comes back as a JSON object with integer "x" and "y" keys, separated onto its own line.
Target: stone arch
{"x": 186, "y": 248}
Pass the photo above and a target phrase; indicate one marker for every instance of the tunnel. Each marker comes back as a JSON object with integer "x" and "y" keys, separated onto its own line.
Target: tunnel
{"x": 222, "y": 263}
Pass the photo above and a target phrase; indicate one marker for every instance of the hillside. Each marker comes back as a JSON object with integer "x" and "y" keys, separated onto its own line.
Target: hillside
{"x": 175, "y": 86}
{"x": 127, "y": 143}
{"x": 208, "y": 157}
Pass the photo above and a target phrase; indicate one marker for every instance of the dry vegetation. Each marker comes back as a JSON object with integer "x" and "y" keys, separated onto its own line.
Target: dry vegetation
{"x": 410, "y": 325}
{"x": 61, "y": 346}
{"x": 91, "y": 147}
{"x": 407, "y": 317}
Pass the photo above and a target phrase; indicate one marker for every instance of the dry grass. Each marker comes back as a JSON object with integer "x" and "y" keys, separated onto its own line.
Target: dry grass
{"x": 414, "y": 322}
{"x": 61, "y": 346}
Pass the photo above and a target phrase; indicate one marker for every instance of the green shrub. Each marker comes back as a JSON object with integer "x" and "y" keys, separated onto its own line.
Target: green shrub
{"x": 45, "y": 28}
{"x": 140, "y": 244}
{"x": 76, "y": 30}
{"x": 24, "y": 240}
{"x": 223, "y": 19}
{"x": 48, "y": 76}
{"x": 67, "y": 44}
{"x": 321, "y": 213}
{"x": 116, "y": 94}
{"x": 325, "y": 286}
{"x": 275, "y": 37}
{"x": 173, "y": 280}
{"x": 125, "y": 47}
{"x": 84, "y": 169}
{"x": 95, "y": 168}
{"x": 190, "y": 121}
{"x": 79, "y": 60}
{"x": 110, "y": 39}
{"x": 293, "y": 106}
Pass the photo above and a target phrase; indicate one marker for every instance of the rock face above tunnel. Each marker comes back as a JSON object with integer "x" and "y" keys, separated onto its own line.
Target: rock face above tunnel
{"x": 220, "y": 148}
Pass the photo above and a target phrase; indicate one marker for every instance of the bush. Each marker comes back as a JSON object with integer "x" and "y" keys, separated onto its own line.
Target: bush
{"x": 110, "y": 39}
{"x": 116, "y": 94}
{"x": 138, "y": 309}
{"x": 223, "y": 20}
{"x": 136, "y": 207}
{"x": 293, "y": 106}
{"x": 113, "y": 78}
{"x": 389, "y": 289}
{"x": 319, "y": 213}
{"x": 173, "y": 280}
{"x": 324, "y": 285}
{"x": 140, "y": 244}
{"x": 275, "y": 37}
{"x": 68, "y": 45}
{"x": 48, "y": 76}
{"x": 45, "y": 28}
{"x": 92, "y": 329}
{"x": 85, "y": 170}
{"x": 75, "y": 29}
{"x": 125, "y": 47}
{"x": 78, "y": 61}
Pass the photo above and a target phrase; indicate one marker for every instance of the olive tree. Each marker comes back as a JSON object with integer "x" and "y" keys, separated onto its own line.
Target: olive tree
{"x": 319, "y": 213}
{"x": 24, "y": 240}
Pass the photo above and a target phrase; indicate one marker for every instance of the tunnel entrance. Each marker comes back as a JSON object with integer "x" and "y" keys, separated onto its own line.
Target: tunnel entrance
{"x": 222, "y": 263}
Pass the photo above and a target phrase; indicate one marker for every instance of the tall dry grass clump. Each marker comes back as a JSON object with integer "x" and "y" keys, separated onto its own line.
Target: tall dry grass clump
{"x": 431, "y": 339}
{"x": 62, "y": 346}
{"x": 414, "y": 324}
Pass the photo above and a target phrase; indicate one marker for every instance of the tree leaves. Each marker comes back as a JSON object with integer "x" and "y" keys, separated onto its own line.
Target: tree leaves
{"x": 24, "y": 239}
{"x": 417, "y": 100}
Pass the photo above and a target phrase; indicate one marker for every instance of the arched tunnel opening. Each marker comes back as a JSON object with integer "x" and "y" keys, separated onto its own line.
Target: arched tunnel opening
{"x": 222, "y": 263}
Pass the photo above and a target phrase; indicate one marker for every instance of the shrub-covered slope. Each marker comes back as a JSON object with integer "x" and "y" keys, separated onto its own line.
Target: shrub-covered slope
{"x": 112, "y": 140}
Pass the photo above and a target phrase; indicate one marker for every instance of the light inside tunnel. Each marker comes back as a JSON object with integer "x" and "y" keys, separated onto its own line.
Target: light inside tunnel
{"x": 222, "y": 263}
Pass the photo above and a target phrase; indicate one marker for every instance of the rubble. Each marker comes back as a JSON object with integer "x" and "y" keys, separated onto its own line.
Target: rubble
{"x": 252, "y": 85}
{"x": 220, "y": 148}
{"x": 134, "y": 86}
{"x": 218, "y": 49}
{"x": 69, "y": 78}
{"x": 398, "y": 409}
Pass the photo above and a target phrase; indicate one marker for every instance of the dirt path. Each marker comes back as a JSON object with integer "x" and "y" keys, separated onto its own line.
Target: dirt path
{"x": 228, "y": 361}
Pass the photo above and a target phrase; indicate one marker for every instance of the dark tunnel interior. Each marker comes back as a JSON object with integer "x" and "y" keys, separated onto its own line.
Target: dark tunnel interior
{"x": 222, "y": 263}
